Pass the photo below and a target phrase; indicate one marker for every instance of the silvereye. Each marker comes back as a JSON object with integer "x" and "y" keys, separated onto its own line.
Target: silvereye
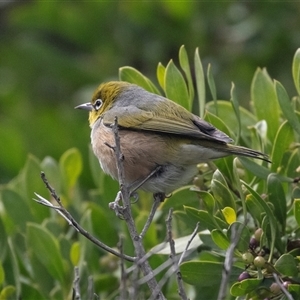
{"x": 154, "y": 132}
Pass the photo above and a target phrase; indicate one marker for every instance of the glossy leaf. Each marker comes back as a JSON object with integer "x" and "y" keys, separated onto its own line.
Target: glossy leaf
{"x": 185, "y": 65}
{"x": 200, "y": 82}
{"x": 244, "y": 287}
{"x": 8, "y": 292}
{"x": 263, "y": 206}
{"x": 208, "y": 200}
{"x": 264, "y": 97}
{"x": 229, "y": 215}
{"x": 297, "y": 210}
{"x": 205, "y": 273}
{"x": 70, "y": 165}
{"x": 17, "y": 210}
{"x": 286, "y": 106}
{"x": 236, "y": 109}
{"x": 220, "y": 239}
{"x": 256, "y": 169}
{"x": 132, "y": 75}
{"x": 75, "y": 254}
{"x": 241, "y": 232}
{"x": 160, "y": 74}
{"x": 2, "y": 275}
{"x": 50, "y": 167}
{"x": 175, "y": 86}
{"x": 217, "y": 122}
{"x": 287, "y": 265}
{"x": 277, "y": 198}
{"x": 296, "y": 70}
{"x": 212, "y": 85}
{"x": 208, "y": 221}
{"x": 46, "y": 249}
{"x": 222, "y": 194}
{"x": 284, "y": 137}
{"x": 226, "y": 114}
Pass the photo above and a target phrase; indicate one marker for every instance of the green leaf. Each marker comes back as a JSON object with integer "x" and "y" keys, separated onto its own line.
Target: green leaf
{"x": 200, "y": 82}
{"x": 219, "y": 177}
{"x": 287, "y": 265}
{"x": 241, "y": 231}
{"x": 160, "y": 74}
{"x": 284, "y": 137}
{"x": 217, "y": 122}
{"x": 227, "y": 115}
{"x": 205, "y": 273}
{"x": 263, "y": 206}
{"x": 278, "y": 199}
{"x": 75, "y": 253}
{"x": 220, "y": 239}
{"x": 70, "y": 165}
{"x": 17, "y": 210}
{"x": 8, "y": 292}
{"x": 236, "y": 108}
{"x": 185, "y": 65}
{"x": 256, "y": 211}
{"x": 2, "y": 274}
{"x": 50, "y": 167}
{"x": 212, "y": 86}
{"x": 297, "y": 210}
{"x": 175, "y": 86}
{"x": 132, "y": 75}
{"x": 206, "y": 220}
{"x": 229, "y": 215}
{"x": 264, "y": 97}
{"x": 244, "y": 287}
{"x": 46, "y": 248}
{"x": 15, "y": 268}
{"x": 103, "y": 224}
{"x": 222, "y": 194}
{"x": 296, "y": 70}
{"x": 208, "y": 200}
{"x": 256, "y": 169}
{"x": 286, "y": 106}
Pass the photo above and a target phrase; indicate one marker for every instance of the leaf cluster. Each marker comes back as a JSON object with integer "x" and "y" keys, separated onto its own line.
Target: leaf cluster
{"x": 229, "y": 196}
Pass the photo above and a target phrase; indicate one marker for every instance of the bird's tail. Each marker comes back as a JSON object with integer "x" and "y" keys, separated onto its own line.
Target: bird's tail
{"x": 243, "y": 151}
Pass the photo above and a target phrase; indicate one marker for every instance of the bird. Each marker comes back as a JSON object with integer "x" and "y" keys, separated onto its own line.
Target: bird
{"x": 161, "y": 142}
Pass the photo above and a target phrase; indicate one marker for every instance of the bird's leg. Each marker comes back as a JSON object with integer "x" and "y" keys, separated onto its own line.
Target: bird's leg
{"x": 158, "y": 198}
{"x": 116, "y": 207}
{"x": 136, "y": 186}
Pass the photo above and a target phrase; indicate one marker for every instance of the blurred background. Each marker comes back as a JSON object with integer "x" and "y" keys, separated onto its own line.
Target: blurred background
{"x": 54, "y": 54}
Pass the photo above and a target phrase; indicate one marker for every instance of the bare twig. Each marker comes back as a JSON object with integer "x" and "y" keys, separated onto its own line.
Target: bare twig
{"x": 90, "y": 289}
{"x": 181, "y": 290}
{"x": 76, "y": 288}
{"x": 154, "y": 207}
{"x": 282, "y": 287}
{"x": 227, "y": 267}
{"x": 188, "y": 244}
{"x": 62, "y": 211}
{"x": 127, "y": 215}
{"x": 122, "y": 288}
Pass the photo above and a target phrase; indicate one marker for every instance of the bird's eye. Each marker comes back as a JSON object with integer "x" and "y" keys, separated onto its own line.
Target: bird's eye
{"x": 98, "y": 104}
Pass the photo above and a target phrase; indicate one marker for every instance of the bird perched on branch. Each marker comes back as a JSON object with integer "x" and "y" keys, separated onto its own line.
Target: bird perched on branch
{"x": 160, "y": 140}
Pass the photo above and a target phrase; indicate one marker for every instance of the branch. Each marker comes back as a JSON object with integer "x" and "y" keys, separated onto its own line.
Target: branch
{"x": 76, "y": 289}
{"x": 127, "y": 215}
{"x": 181, "y": 290}
{"x": 227, "y": 267}
{"x": 71, "y": 221}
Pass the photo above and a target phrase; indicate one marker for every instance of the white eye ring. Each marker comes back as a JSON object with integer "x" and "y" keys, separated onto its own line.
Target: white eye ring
{"x": 98, "y": 104}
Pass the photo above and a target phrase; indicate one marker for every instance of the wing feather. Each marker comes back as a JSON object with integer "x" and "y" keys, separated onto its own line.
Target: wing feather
{"x": 139, "y": 119}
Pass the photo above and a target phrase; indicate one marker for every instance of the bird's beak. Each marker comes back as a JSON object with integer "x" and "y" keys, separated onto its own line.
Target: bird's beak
{"x": 85, "y": 106}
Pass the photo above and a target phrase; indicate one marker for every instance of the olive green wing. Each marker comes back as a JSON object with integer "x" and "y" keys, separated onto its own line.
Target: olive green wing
{"x": 138, "y": 119}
